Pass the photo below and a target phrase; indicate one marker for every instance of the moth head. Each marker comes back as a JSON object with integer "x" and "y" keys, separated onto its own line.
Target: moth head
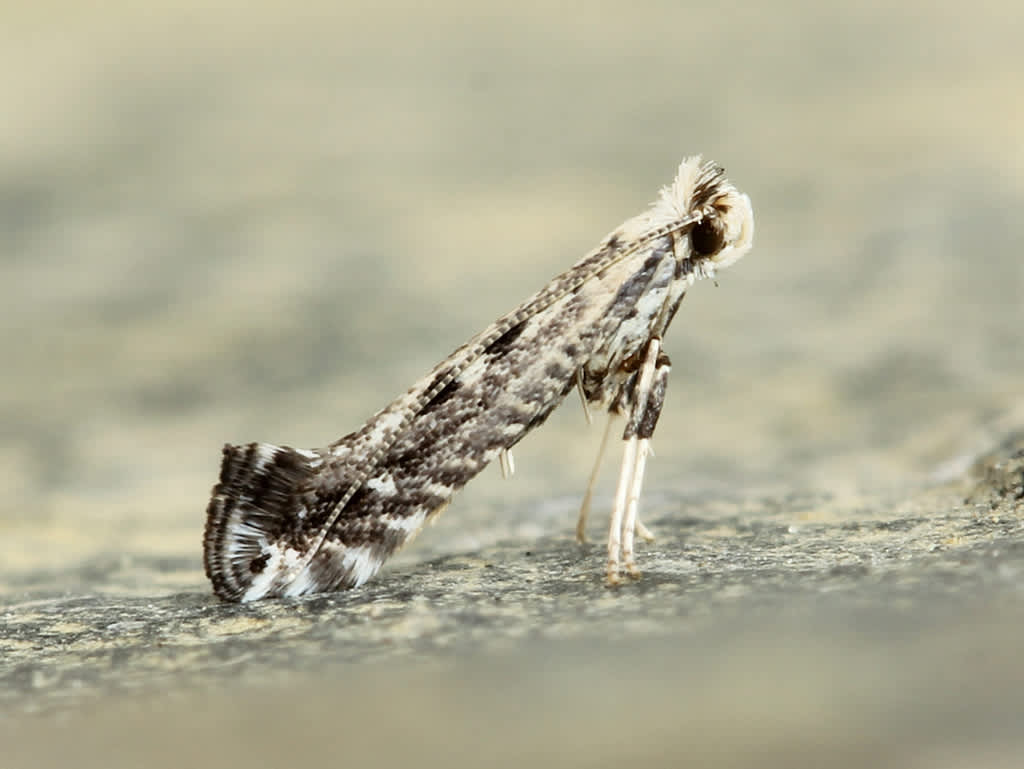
{"x": 720, "y": 218}
{"x": 723, "y": 235}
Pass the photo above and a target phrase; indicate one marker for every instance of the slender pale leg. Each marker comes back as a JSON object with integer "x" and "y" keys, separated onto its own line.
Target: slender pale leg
{"x": 648, "y": 421}
{"x": 632, "y": 499}
{"x": 644, "y": 407}
{"x": 508, "y": 464}
{"x": 581, "y": 522}
{"x": 615, "y": 526}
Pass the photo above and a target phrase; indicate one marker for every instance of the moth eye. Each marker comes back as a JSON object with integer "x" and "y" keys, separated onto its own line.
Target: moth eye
{"x": 706, "y": 238}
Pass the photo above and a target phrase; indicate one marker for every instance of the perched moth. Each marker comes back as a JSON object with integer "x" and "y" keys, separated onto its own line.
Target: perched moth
{"x": 286, "y": 522}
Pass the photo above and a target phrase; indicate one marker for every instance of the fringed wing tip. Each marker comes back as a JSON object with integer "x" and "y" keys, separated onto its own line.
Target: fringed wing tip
{"x": 255, "y": 502}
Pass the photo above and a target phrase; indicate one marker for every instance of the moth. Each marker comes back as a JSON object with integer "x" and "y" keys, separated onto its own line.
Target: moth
{"x": 286, "y": 522}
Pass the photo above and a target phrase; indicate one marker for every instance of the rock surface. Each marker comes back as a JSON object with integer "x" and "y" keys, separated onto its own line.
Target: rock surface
{"x": 895, "y": 631}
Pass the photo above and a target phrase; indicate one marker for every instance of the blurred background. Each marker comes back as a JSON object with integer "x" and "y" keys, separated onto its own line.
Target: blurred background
{"x": 238, "y": 222}
{"x": 262, "y": 221}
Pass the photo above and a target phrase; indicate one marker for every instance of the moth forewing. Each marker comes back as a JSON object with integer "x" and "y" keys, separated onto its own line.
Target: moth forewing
{"x": 286, "y": 522}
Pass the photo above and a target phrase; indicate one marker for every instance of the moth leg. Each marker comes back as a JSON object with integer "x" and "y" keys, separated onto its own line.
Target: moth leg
{"x": 642, "y": 531}
{"x": 508, "y": 464}
{"x": 643, "y": 405}
{"x": 581, "y": 522}
{"x": 648, "y": 420}
{"x": 619, "y": 509}
{"x": 632, "y": 498}
{"x": 583, "y": 396}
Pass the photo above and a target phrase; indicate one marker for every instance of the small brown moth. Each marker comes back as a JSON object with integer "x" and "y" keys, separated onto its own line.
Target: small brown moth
{"x": 286, "y": 522}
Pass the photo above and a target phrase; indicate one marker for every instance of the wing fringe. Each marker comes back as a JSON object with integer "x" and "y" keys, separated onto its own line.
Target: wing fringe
{"x": 259, "y": 500}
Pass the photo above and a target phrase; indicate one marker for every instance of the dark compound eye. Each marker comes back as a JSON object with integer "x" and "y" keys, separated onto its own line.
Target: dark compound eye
{"x": 706, "y": 238}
